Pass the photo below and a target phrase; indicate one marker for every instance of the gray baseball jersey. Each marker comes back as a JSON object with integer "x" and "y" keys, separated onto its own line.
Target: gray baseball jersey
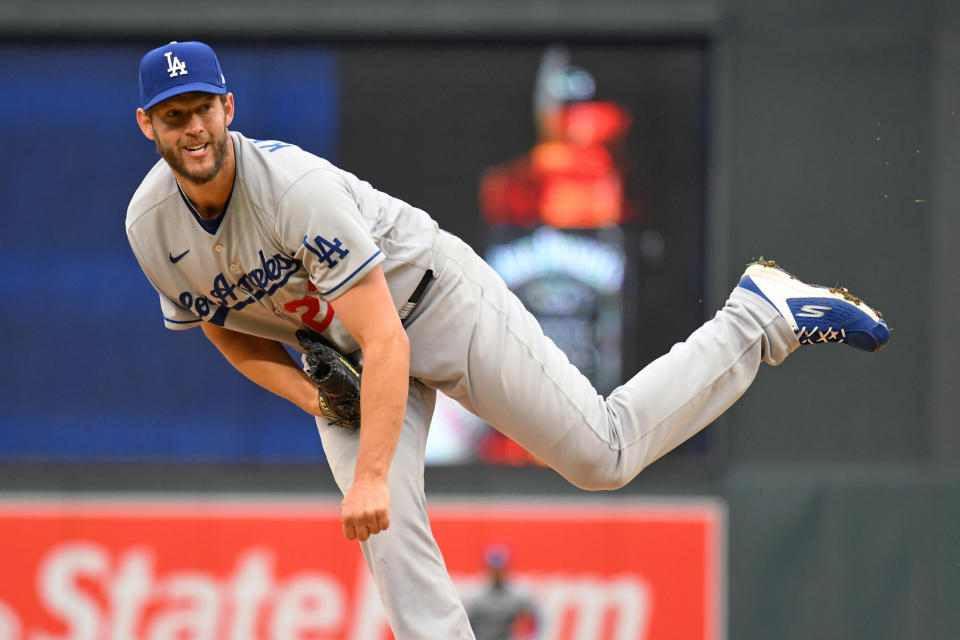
{"x": 297, "y": 232}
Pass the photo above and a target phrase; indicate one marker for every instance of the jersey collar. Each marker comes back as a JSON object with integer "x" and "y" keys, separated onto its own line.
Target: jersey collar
{"x": 210, "y": 226}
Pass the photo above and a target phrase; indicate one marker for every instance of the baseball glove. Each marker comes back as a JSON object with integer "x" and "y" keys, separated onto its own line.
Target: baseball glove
{"x": 337, "y": 379}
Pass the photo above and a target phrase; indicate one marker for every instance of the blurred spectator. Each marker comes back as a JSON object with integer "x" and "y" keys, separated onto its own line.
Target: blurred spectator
{"x": 501, "y": 611}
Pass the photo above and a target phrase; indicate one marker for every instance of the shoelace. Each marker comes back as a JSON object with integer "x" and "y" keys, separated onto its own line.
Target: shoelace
{"x": 806, "y": 336}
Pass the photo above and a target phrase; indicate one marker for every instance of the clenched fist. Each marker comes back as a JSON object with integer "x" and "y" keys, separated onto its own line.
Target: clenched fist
{"x": 365, "y": 509}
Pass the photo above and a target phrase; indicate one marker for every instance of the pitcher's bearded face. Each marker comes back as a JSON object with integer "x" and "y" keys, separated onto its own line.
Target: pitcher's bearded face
{"x": 191, "y": 135}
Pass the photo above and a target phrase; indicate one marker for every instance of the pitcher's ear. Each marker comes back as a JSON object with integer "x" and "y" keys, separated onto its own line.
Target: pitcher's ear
{"x": 146, "y": 126}
{"x": 228, "y": 107}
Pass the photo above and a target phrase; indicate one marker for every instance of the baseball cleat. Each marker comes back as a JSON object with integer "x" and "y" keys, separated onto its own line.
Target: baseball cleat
{"x": 817, "y": 313}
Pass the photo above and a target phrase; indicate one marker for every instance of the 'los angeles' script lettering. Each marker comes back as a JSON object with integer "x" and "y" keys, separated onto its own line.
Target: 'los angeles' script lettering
{"x": 271, "y": 274}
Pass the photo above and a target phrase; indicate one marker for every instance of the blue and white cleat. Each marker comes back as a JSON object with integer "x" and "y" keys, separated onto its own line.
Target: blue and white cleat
{"x": 816, "y": 313}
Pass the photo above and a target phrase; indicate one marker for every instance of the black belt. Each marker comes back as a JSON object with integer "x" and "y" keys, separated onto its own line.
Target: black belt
{"x": 414, "y": 299}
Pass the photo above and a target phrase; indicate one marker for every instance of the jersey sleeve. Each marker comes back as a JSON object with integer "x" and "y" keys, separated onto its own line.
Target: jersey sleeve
{"x": 319, "y": 222}
{"x": 175, "y": 316}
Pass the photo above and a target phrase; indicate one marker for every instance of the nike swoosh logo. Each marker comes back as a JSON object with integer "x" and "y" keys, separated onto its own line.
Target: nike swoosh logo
{"x": 175, "y": 259}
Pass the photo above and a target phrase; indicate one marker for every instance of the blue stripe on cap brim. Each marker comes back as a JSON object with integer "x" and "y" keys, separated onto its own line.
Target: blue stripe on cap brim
{"x": 186, "y": 88}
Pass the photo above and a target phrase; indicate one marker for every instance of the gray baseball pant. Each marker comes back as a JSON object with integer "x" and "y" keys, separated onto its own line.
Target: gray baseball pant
{"x": 472, "y": 339}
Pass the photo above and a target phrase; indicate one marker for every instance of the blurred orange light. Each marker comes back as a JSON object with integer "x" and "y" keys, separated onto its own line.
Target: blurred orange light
{"x": 596, "y": 122}
{"x": 569, "y": 180}
{"x": 582, "y": 202}
{"x": 554, "y": 157}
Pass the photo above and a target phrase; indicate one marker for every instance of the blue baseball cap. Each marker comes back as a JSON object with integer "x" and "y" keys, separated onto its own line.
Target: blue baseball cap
{"x": 179, "y": 67}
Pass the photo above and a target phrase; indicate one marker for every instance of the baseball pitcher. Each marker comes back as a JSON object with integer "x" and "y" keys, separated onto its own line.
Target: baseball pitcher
{"x": 261, "y": 244}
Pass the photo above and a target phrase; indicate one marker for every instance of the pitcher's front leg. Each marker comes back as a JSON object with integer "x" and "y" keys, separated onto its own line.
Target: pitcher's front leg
{"x": 418, "y": 595}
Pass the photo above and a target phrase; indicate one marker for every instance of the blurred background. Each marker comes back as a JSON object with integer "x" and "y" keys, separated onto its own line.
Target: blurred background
{"x": 665, "y": 144}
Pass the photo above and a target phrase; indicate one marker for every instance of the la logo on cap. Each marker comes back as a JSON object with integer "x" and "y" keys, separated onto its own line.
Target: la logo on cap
{"x": 174, "y": 66}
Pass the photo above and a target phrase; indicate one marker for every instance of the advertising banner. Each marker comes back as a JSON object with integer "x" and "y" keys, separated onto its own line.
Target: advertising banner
{"x": 275, "y": 568}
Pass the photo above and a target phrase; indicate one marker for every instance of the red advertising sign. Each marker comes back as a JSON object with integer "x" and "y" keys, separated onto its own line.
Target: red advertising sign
{"x": 276, "y": 569}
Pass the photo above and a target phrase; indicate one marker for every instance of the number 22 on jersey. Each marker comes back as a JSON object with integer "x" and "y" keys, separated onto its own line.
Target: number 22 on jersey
{"x": 311, "y": 307}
